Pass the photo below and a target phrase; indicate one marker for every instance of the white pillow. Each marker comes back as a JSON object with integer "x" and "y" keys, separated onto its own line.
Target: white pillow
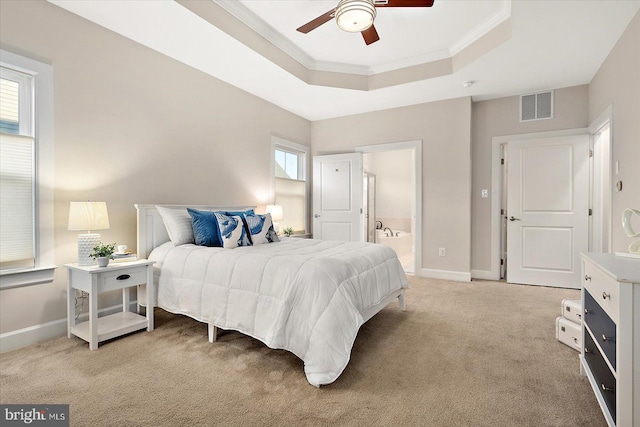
{"x": 178, "y": 225}
{"x": 232, "y": 231}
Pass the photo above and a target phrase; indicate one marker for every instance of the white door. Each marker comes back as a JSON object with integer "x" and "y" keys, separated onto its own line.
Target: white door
{"x": 337, "y": 197}
{"x": 547, "y": 209}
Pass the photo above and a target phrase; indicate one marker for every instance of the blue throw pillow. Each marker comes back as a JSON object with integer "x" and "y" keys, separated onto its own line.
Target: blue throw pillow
{"x": 232, "y": 232}
{"x": 205, "y": 228}
{"x": 261, "y": 228}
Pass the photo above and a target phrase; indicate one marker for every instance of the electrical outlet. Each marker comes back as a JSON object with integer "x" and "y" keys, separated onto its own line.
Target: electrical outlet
{"x": 441, "y": 252}
{"x": 485, "y": 194}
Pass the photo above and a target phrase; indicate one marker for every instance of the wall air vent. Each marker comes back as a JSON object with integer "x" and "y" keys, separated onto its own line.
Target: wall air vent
{"x": 536, "y": 106}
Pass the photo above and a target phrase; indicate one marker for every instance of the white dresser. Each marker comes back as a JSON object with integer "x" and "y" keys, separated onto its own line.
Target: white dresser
{"x": 610, "y": 355}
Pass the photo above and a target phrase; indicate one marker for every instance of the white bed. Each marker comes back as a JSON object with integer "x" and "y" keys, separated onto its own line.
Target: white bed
{"x": 306, "y": 296}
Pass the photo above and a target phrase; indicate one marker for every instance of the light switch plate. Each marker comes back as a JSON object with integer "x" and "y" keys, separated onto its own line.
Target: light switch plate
{"x": 485, "y": 193}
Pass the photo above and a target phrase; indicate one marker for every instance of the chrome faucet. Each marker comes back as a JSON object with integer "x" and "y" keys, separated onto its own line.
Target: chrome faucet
{"x": 390, "y": 232}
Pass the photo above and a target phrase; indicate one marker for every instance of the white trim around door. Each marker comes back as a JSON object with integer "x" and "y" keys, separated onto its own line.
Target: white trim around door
{"x": 496, "y": 192}
{"x": 601, "y": 130}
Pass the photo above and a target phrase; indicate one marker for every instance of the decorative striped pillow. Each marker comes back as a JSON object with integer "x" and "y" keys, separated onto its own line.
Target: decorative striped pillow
{"x": 232, "y": 232}
{"x": 261, "y": 228}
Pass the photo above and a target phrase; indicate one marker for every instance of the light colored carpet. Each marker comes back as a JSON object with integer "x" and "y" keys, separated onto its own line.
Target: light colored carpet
{"x": 463, "y": 354}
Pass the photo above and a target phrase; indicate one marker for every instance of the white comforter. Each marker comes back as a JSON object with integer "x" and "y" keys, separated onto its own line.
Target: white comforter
{"x": 305, "y": 296}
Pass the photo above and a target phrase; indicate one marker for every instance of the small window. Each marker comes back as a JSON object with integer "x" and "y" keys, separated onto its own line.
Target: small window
{"x": 9, "y": 105}
{"x": 26, "y": 172}
{"x": 17, "y": 172}
{"x": 288, "y": 163}
{"x": 290, "y": 186}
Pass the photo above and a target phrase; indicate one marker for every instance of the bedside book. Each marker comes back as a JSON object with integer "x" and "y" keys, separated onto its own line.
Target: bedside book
{"x": 124, "y": 257}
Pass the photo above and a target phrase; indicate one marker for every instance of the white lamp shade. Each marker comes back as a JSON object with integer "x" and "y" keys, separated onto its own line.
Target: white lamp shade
{"x": 88, "y": 216}
{"x": 276, "y": 212}
{"x": 355, "y": 16}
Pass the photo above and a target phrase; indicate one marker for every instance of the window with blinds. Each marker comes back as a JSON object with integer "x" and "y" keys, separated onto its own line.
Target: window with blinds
{"x": 17, "y": 173}
{"x": 292, "y": 196}
{"x": 290, "y": 185}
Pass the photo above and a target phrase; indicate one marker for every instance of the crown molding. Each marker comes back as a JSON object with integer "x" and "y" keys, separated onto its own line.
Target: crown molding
{"x": 436, "y": 55}
{"x": 482, "y": 29}
{"x": 257, "y": 24}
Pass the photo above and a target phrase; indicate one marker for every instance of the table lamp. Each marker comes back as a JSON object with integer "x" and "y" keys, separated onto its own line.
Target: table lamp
{"x": 276, "y": 215}
{"x": 88, "y": 216}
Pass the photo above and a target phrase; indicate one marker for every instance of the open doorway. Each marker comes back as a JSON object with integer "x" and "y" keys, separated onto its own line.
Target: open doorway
{"x": 391, "y": 199}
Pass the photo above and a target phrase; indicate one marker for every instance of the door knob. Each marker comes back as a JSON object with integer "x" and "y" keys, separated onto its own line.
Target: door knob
{"x": 316, "y": 216}
{"x": 511, "y": 218}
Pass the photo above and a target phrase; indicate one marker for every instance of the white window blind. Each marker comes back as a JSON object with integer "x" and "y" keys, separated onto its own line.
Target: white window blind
{"x": 17, "y": 194}
{"x": 292, "y": 196}
{"x": 17, "y": 174}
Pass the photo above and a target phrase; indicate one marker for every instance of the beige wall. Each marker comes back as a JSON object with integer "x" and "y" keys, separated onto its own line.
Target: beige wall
{"x": 133, "y": 126}
{"x": 499, "y": 117}
{"x": 617, "y": 84}
{"x": 444, "y": 128}
{"x": 395, "y": 182}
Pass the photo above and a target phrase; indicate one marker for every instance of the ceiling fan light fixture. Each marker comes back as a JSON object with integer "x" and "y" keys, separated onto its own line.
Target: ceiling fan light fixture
{"x": 355, "y": 16}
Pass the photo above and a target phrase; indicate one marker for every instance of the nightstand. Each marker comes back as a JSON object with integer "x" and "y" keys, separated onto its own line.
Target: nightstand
{"x": 95, "y": 280}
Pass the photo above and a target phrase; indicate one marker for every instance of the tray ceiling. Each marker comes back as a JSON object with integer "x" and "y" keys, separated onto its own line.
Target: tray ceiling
{"x": 540, "y": 45}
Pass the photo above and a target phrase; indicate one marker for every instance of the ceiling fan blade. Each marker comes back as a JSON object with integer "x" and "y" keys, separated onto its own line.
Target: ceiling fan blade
{"x": 312, "y": 25}
{"x": 405, "y": 3}
{"x": 370, "y": 35}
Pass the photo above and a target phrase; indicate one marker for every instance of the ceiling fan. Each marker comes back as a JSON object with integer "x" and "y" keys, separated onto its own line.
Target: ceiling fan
{"x": 356, "y": 16}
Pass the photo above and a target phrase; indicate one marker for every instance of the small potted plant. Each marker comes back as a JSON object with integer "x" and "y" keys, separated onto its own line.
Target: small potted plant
{"x": 288, "y": 231}
{"x": 103, "y": 253}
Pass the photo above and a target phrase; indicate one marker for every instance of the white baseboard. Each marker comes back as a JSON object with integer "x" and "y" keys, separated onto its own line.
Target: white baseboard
{"x": 485, "y": 275}
{"x": 458, "y": 276}
{"x": 46, "y": 331}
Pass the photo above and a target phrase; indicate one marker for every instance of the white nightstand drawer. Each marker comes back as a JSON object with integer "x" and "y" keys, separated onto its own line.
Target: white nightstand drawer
{"x": 119, "y": 279}
{"x": 603, "y": 289}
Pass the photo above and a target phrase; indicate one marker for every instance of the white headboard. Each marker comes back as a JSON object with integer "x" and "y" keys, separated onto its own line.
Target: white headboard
{"x": 151, "y": 230}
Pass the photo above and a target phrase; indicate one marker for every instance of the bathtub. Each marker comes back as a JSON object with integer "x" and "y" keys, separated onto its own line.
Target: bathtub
{"x": 401, "y": 242}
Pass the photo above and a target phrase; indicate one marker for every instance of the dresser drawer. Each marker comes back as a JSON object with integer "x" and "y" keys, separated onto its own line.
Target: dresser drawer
{"x": 605, "y": 381}
{"x": 603, "y": 289}
{"x": 119, "y": 279}
{"x": 602, "y": 327}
